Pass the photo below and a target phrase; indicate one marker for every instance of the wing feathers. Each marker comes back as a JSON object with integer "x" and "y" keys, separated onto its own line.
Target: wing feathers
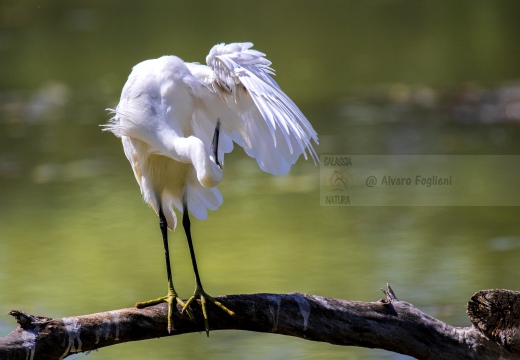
{"x": 275, "y": 132}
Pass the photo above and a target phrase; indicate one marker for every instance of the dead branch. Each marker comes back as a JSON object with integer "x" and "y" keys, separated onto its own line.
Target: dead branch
{"x": 387, "y": 324}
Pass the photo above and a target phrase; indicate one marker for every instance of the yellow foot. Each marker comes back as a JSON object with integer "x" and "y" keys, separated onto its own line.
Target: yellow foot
{"x": 203, "y": 296}
{"x": 170, "y": 299}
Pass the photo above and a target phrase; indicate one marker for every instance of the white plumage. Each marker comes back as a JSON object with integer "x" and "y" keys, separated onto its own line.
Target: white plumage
{"x": 167, "y": 116}
{"x": 176, "y": 121}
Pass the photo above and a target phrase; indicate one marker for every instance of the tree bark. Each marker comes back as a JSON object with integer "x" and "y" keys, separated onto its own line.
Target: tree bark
{"x": 387, "y": 324}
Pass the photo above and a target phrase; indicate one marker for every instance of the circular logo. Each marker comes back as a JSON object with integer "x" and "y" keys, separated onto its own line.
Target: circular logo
{"x": 337, "y": 181}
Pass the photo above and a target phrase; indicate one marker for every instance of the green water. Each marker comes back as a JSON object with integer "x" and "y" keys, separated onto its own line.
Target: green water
{"x": 76, "y": 238}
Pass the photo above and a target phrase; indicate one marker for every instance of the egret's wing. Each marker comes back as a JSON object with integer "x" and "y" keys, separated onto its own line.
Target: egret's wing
{"x": 267, "y": 124}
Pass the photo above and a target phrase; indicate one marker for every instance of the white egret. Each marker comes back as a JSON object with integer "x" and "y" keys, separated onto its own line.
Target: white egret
{"x": 177, "y": 119}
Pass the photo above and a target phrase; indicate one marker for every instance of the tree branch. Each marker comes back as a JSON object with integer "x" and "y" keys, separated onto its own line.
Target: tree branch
{"x": 387, "y": 324}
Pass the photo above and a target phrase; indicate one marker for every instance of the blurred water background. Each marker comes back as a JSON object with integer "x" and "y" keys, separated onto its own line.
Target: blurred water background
{"x": 379, "y": 77}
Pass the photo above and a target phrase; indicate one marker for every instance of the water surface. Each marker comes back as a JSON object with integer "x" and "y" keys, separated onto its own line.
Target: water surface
{"x": 389, "y": 77}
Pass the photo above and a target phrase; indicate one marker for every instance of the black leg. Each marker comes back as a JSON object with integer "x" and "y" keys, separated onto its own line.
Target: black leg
{"x": 199, "y": 291}
{"x": 214, "y": 143}
{"x": 163, "y": 224}
{"x": 171, "y": 298}
{"x": 187, "y": 229}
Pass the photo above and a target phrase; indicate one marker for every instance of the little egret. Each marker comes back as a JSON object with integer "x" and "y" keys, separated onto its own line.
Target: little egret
{"x": 177, "y": 119}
